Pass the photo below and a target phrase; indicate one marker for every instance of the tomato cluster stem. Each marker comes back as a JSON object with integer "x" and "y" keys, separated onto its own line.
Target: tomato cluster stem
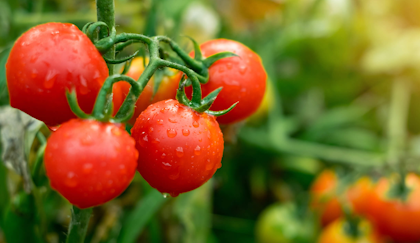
{"x": 105, "y": 13}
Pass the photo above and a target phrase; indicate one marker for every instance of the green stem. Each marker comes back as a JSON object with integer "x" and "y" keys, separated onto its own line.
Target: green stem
{"x": 78, "y": 225}
{"x": 400, "y": 99}
{"x": 105, "y": 13}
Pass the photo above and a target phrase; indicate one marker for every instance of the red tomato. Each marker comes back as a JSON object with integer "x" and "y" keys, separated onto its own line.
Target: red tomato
{"x": 243, "y": 79}
{"x": 167, "y": 88}
{"x": 89, "y": 162}
{"x": 180, "y": 148}
{"x": 336, "y": 233}
{"x": 325, "y": 199}
{"x": 393, "y": 217}
{"x": 44, "y": 62}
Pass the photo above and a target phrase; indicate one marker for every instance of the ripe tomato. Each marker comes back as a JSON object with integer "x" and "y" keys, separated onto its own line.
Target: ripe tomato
{"x": 336, "y": 233}
{"x": 44, "y": 62}
{"x": 180, "y": 148}
{"x": 393, "y": 217}
{"x": 89, "y": 162}
{"x": 243, "y": 79}
{"x": 281, "y": 223}
{"x": 325, "y": 199}
{"x": 167, "y": 89}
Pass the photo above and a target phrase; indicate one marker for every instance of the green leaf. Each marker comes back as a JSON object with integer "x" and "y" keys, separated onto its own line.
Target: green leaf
{"x": 140, "y": 216}
{"x": 212, "y": 59}
{"x": 4, "y": 94}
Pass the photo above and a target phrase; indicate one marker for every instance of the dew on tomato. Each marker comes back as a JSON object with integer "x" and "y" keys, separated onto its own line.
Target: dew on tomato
{"x": 188, "y": 153}
{"x": 86, "y": 163}
{"x": 41, "y": 66}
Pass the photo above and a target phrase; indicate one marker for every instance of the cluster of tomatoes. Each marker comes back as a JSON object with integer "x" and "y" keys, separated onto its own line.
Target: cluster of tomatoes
{"x": 175, "y": 148}
{"x": 389, "y": 212}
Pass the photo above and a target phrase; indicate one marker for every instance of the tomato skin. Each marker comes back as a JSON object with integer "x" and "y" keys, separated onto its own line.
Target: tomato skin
{"x": 44, "y": 62}
{"x": 243, "y": 79}
{"x": 89, "y": 162}
{"x": 180, "y": 148}
{"x": 393, "y": 218}
{"x": 325, "y": 199}
{"x": 167, "y": 88}
{"x": 335, "y": 233}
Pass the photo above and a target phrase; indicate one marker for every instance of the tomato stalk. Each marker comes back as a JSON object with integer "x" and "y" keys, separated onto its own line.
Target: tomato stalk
{"x": 78, "y": 225}
{"x": 105, "y": 13}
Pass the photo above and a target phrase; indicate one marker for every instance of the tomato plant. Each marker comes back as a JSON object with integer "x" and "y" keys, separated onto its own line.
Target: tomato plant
{"x": 325, "y": 196}
{"x": 89, "y": 162}
{"x": 181, "y": 149}
{"x": 167, "y": 88}
{"x": 44, "y": 62}
{"x": 338, "y": 232}
{"x": 396, "y": 217}
{"x": 243, "y": 79}
{"x": 283, "y": 223}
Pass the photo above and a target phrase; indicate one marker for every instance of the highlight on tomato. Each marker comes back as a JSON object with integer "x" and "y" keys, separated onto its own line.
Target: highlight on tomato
{"x": 90, "y": 162}
{"x": 167, "y": 87}
{"x": 394, "y": 208}
{"x": 180, "y": 148}
{"x": 44, "y": 62}
{"x": 325, "y": 196}
{"x": 341, "y": 231}
{"x": 242, "y": 78}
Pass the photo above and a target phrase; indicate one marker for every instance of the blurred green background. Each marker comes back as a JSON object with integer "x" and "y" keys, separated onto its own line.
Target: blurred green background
{"x": 343, "y": 77}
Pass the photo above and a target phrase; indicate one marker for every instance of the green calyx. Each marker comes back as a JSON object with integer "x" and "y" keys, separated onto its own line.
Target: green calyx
{"x": 197, "y": 103}
{"x": 398, "y": 189}
{"x": 196, "y": 69}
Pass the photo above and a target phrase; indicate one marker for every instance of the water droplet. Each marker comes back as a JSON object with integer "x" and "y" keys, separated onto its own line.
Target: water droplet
{"x": 173, "y": 120}
{"x": 145, "y": 138}
{"x": 185, "y": 132}
{"x": 159, "y": 121}
{"x": 195, "y": 124}
{"x": 221, "y": 69}
{"x": 110, "y": 182}
{"x": 123, "y": 170}
{"x": 163, "y": 155}
{"x": 84, "y": 87}
{"x": 179, "y": 152}
{"x": 165, "y": 195}
{"x": 87, "y": 140}
{"x": 197, "y": 150}
{"x": 156, "y": 141}
{"x": 108, "y": 173}
{"x": 174, "y": 176}
{"x": 219, "y": 165}
{"x": 34, "y": 73}
{"x": 229, "y": 66}
{"x": 87, "y": 168}
{"x": 171, "y": 132}
{"x": 150, "y": 129}
{"x": 174, "y": 194}
{"x": 209, "y": 166}
{"x": 166, "y": 166}
{"x": 34, "y": 58}
{"x": 200, "y": 139}
{"x": 70, "y": 180}
{"x": 53, "y": 128}
{"x": 242, "y": 69}
{"x": 116, "y": 131}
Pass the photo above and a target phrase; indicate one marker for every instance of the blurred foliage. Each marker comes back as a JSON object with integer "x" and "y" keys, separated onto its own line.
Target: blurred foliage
{"x": 333, "y": 65}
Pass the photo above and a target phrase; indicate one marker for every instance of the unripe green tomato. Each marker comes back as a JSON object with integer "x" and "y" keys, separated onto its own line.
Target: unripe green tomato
{"x": 281, "y": 223}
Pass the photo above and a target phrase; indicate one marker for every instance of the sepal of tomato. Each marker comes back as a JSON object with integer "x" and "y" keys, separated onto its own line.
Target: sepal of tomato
{"x": 336, "y": 232}
{"x": 44, "y": 62}
{"x": 396, "y": 218}
{"x": 167, "y": 88}
{"x": 90, "y": 162}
